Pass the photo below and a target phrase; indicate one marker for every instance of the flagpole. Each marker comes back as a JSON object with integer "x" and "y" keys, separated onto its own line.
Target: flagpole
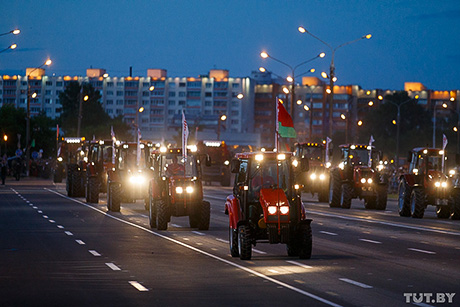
{"x": 276, "y": 124}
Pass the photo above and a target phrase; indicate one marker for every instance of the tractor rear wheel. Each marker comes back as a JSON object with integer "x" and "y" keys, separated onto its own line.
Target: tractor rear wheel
{"x": 346, "y": 196}
{"x": 204, "y": 215}
{"x": 68, "y": 181}
{"x": 244, "y": 242}
{"x": 404, "y": 192}
{"x": 306, "y": 241}
{"x": 323, "y": 195}
{"x": 233, "y": 241}
{"x": 443, "y": 212}
{"x": 163, "y": 215}
{"x": 92, "y": 190}
{"x": 77, "y": 187}
{"x": 152, "y": 213}
{"x": 115, "y": 196}
{"x": 334, "y": 190}
{"x": 417, "y": 203}
{"x": 370, "y": 202}
{"x": 456, "y": 205}
{"x": 382, "y": 197}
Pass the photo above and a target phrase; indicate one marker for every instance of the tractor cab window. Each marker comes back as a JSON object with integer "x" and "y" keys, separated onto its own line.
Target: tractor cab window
{"x": 175, "y": 165}
{"x": 432, "y": 162}
{"x": 268, "y": 174}
{"x": 128, "y": 158}
{"x": 360, "y": 156}
{"x": 312, "y": 153}
{"x": 107, "y": 153}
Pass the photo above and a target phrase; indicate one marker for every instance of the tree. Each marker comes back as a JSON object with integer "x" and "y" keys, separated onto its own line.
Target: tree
{"x": 12, "y": 123}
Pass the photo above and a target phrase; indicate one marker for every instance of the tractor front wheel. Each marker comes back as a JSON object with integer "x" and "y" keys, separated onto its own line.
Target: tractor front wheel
{"x": 334, "y": 190}
{"x": 163, "y": 215}
{"x": 115, "y": 197}
{"x": 92, "y": 190}
{"x": 382, "y": 197}
{"x": 404, "y": 194}
{"x": 417, "y": 203}
{"x": 306, "y": 241}
{"x": 233, "y": 241}
{"x": 244, "y": 242}
{"x": 346, "y": 196}
{"x": 152, "y": 213}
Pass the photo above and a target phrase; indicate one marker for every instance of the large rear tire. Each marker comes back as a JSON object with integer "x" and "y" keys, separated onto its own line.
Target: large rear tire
{"x": 205, "y": 216}
{"x": 115, "y": 197}
{"x": 334, "y": 190}
{"x": 77, "y": 184}
{"x": 152, "y": 213}
{"x": 233, "y": 241}
{"x": 417, "y": 203}
{"x": 92, "y": 190}
{"x": 163, "y": 215}
{"x": 404, "y": 192}
{"x": 244, "y": 242}
{"x": 382, "y": 197}
{"x": 346, "y": 196}
{"x": 306, "y": 241}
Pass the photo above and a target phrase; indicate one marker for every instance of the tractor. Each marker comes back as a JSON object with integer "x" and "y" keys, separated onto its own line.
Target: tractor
{"x": 70, "y": 163}
{"x": 266, "y": 204}
{"x": 220, "y": 162}
{"x": 316, "y": 180}
{"x": 98, "y": 163}
{"x": 358, "y": 175}
{"x": 128, "y": 180}
{"x": 427, "y": 183}
{"x": 176, "y": 188}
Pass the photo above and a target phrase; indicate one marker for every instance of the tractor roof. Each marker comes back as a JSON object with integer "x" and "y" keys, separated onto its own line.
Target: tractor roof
{"x": 432, "y": 151}
{"x": 266, "y": 154}
{"x": 319, "y": 145}
{"x": 357, "y": 146}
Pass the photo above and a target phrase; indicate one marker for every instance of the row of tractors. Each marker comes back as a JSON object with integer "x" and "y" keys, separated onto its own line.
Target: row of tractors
{"x": 360, "y": 173}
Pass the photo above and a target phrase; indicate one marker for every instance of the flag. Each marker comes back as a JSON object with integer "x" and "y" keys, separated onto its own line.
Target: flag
{"x": 444, "y": 141}
{"x": 57, "y": 132}
{"x": 112, "y": 134}
{"x": 328, "y": 141}
{"x": 138, "y": 146}
{"x": 184, "y": 136}
{"x": 285, "y": 127}
{"x": 371, "y": 140}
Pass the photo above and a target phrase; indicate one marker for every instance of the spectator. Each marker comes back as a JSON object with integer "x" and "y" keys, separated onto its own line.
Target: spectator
{"x": 4, "y": 168}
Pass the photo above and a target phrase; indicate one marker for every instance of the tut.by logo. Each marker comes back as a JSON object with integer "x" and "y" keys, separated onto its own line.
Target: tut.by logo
{"x": 433, "y": 298}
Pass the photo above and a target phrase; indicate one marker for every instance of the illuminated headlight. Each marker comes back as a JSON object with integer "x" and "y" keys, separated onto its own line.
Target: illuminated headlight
{"x": 189, "y": 190}
{"x": 322, "y": 177}
{"x": 369, "y": 180}
{"x": 85, "y": 159}
{"x": 137, "y": 179}
{"x": 295, "y": 163}
{"x": 162, "y": 149}
{"x": 226, "y": 162}
{"x": 415, "y": 171}
{"x": 60, "y": 159}
{"x": 363, "y": 180}
{"x": 437, "y": 184}
{"x": 246, "y": 188}
{"x": 296, "y": 186}
{"x": 341, "y": 165}
{"x": 451, "y": 172}
{"x": 328, "y": 164}
{"x": 284, "y": 210}
{"x": 259, "y": 157}
{"x": 313, "y": 176}
{"x": 281, "y": 157}
{"x": 272, "y": 210}
{"x": 380, "y": 167}
{"x": 179, "y": 190}
{"x": 444, "y": 184}
{"x": 441, "y": 152}
{"x": 425, "y": 151}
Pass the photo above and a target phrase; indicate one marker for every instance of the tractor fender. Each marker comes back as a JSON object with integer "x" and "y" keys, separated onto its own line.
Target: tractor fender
{"x": 409, "y": 178}
{"x": 232, "y": 208}
{"x": 112, "y": 176}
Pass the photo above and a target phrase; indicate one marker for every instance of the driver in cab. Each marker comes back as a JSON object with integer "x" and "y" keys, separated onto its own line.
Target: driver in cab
{"x": 175, "y": 168}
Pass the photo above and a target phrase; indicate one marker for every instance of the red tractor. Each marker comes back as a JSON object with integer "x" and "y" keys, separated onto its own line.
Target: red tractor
{"x": 266, "y": 205}
{"x": 128, "y": 180}
{"x": 427, "y": 183}
{"x": 316, "y": 180}
{"x": 71, "y": 163}
{"x": 358, "y": 176}
{"x": 176, "y": 189}
{"x": 98, "y": 163}
{"x": 220, "y": 162}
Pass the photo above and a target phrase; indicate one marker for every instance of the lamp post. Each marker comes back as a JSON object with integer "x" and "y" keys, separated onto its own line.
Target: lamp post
{"x": 222, "y": 118}
{"x": 291, "y": 78}
{"x": 14, "y": 32}
{"x": 332, "y": 77}
{"x": 34, "y": 95}
{"x": 444, "y": 105}
{"x": 80, "y": 109}
{"x": 12, "y": 46}
{"x": 5, "y": 138}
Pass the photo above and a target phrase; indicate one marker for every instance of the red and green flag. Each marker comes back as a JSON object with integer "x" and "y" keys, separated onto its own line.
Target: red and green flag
{"x": 285, "y": 126}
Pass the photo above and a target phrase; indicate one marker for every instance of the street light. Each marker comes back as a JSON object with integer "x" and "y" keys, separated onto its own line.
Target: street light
{"x": 13, "y": 46}
{"x": 47, "y": 63}
{"x": 221, "y": 119}
{"x": 456, "y": 129}
{"x": 5, "y": 138}
{"x": 14, "y": 32}
{"x": 292, "y": 77}
{"x": 332, "y": 78}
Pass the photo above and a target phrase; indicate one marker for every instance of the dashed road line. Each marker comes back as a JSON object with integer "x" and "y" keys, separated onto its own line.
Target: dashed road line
{"x": 138, "y": 286}
{"x": 422, "y": 251}
{"x": 112, "y": 266}
{"x": 259, "y": 251}
{"x": 52, "y": 221}
{"x": 80, "y": 242}
{"x": 299, "y": 264}
{"x": 45, "y": 216}
{"x": 222, "y": 240}
{"x": 370, "y": 241}
{"x": 356, "y": 283}
{"x": 40, "y": 211}
{"x": 329, "y": 233}
{"x": 94, "y": 253}
{"x": 198, "y": 233}
{"x": 60, "y": 226}
{"x": 68, "y": 233}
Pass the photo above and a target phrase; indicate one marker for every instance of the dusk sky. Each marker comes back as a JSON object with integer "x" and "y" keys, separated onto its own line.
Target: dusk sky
{"x": 415, "y": 41}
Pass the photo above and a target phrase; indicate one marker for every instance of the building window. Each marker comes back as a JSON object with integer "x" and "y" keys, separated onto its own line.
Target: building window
{"x": 59, "y": 83}
{"x": 49, "y": 83}
{"x": 208, "y": 94}
{"x": 120, "y": 102}
{"x": 109, "y": 102}
{"x": 119, "y": 93}
{"x": 182, "y": 94}
{"x": 235, "y": 85}
{"x": 119, "y": 111}
{"x": 194, "y": 84}
{"x": 110, "y": 84}
{"x": 181, "y": 84}
{"x": 171, "y": 103}
{"x": 172, "y": 94}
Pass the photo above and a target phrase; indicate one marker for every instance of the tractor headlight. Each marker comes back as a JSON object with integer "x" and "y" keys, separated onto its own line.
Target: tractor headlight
{"x": 451, "y": 172}
{"x": 60, "y": 159}
{"x": 313, "y": 176}
{"x": 179, "y": 190}
{"x": 415, "y": 171}
{"x": 189, "y": 190}
{"x": 341, "y": 165}
{"x": 444, "y": 184}
{"x": 284, "y": 210}
{"x": 369, "y": 180}
{"x": 137, "y": 179}
{"x": 437, "y": 184}
{"x": 363, "y": 180}
{"x": 328, "y": 164}
{"x": 296, "y": 186}
{"x": 227, "y": 162}
{"x": 272, "y": 209}
{"x": 322, "y": 177}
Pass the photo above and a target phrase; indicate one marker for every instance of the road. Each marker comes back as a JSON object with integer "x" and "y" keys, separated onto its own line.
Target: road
{"x": 60, "y": 251}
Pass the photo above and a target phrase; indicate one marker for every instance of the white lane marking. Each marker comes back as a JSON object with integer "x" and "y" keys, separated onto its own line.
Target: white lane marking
{"x": 215, "y": 197}
{"x": 94, "y": 253}
{"x": 198, "y": 233}
{"x": 186, "y": 239}
{"x": 27, "y": 201}
{"x": 60, "y": 226}
{"x": 356, "y": 283}
{"x": 80, "y": 242}
{"x": 175, "y": 225}
{"x": 329, "y": 233}
{"x": 370, "y": 241}
{"x": 299, "y": 264}
{"x": 422, "y": 305}
{"x": 384, "y": 223}
{"x": 138, "y": 286}
{"x": 222, "y": 240}
{"x": 45, "y": 216}
{"x": 422, "y": 251}
{"x": 52, "y": 221}
{"x": 40, "y": 211}
{"x": 273, "y": 271}
{"x": 112, "y": 266}
{"x": 258, "y": 251}
{"x": 68, "y": 233}
{"x": 35, "y": 207}
{"x": 243, "y": 268}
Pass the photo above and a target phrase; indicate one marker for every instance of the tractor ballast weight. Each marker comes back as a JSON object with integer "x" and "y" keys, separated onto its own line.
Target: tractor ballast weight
{"x": 358, "y": 175}
{"x": 427, "y": 183}
{"x": 266, "y": 205}
{"x": 176, "y": 189}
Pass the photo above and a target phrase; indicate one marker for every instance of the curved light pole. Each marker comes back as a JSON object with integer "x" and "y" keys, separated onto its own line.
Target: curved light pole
{"x": 265, "y": 55}
{"x": 444, "y": 105}
{"x": 221, "y": 118}
{"x": 13, "y": 46}
{"x": 47, "y": 63}
{"x": 14, "y": 32}
{"x": 332, "y": 68}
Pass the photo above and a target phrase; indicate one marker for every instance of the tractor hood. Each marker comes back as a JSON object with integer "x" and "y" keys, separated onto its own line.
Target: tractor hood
{"x": 273, "y": 197}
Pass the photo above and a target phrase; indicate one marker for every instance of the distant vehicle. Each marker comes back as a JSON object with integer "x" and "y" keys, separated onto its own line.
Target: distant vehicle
{"x": 266, "y": 205}
{"x": 427, "y": 183}
{"x": 220, "y": 162}
{"x": 128, "y": 180}
{"x": 358, "y": 176}
{"x": 316, "y": 180}
{"x": 176, "y": 189}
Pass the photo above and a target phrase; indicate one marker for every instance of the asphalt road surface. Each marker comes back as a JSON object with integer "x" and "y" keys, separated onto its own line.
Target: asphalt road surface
{"x": 60, "y": 251}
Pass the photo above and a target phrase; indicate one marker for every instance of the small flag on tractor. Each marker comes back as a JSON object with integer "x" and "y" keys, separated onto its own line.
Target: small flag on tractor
{"x": 184, "y": 136}
{"x": 285, "y": 127}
